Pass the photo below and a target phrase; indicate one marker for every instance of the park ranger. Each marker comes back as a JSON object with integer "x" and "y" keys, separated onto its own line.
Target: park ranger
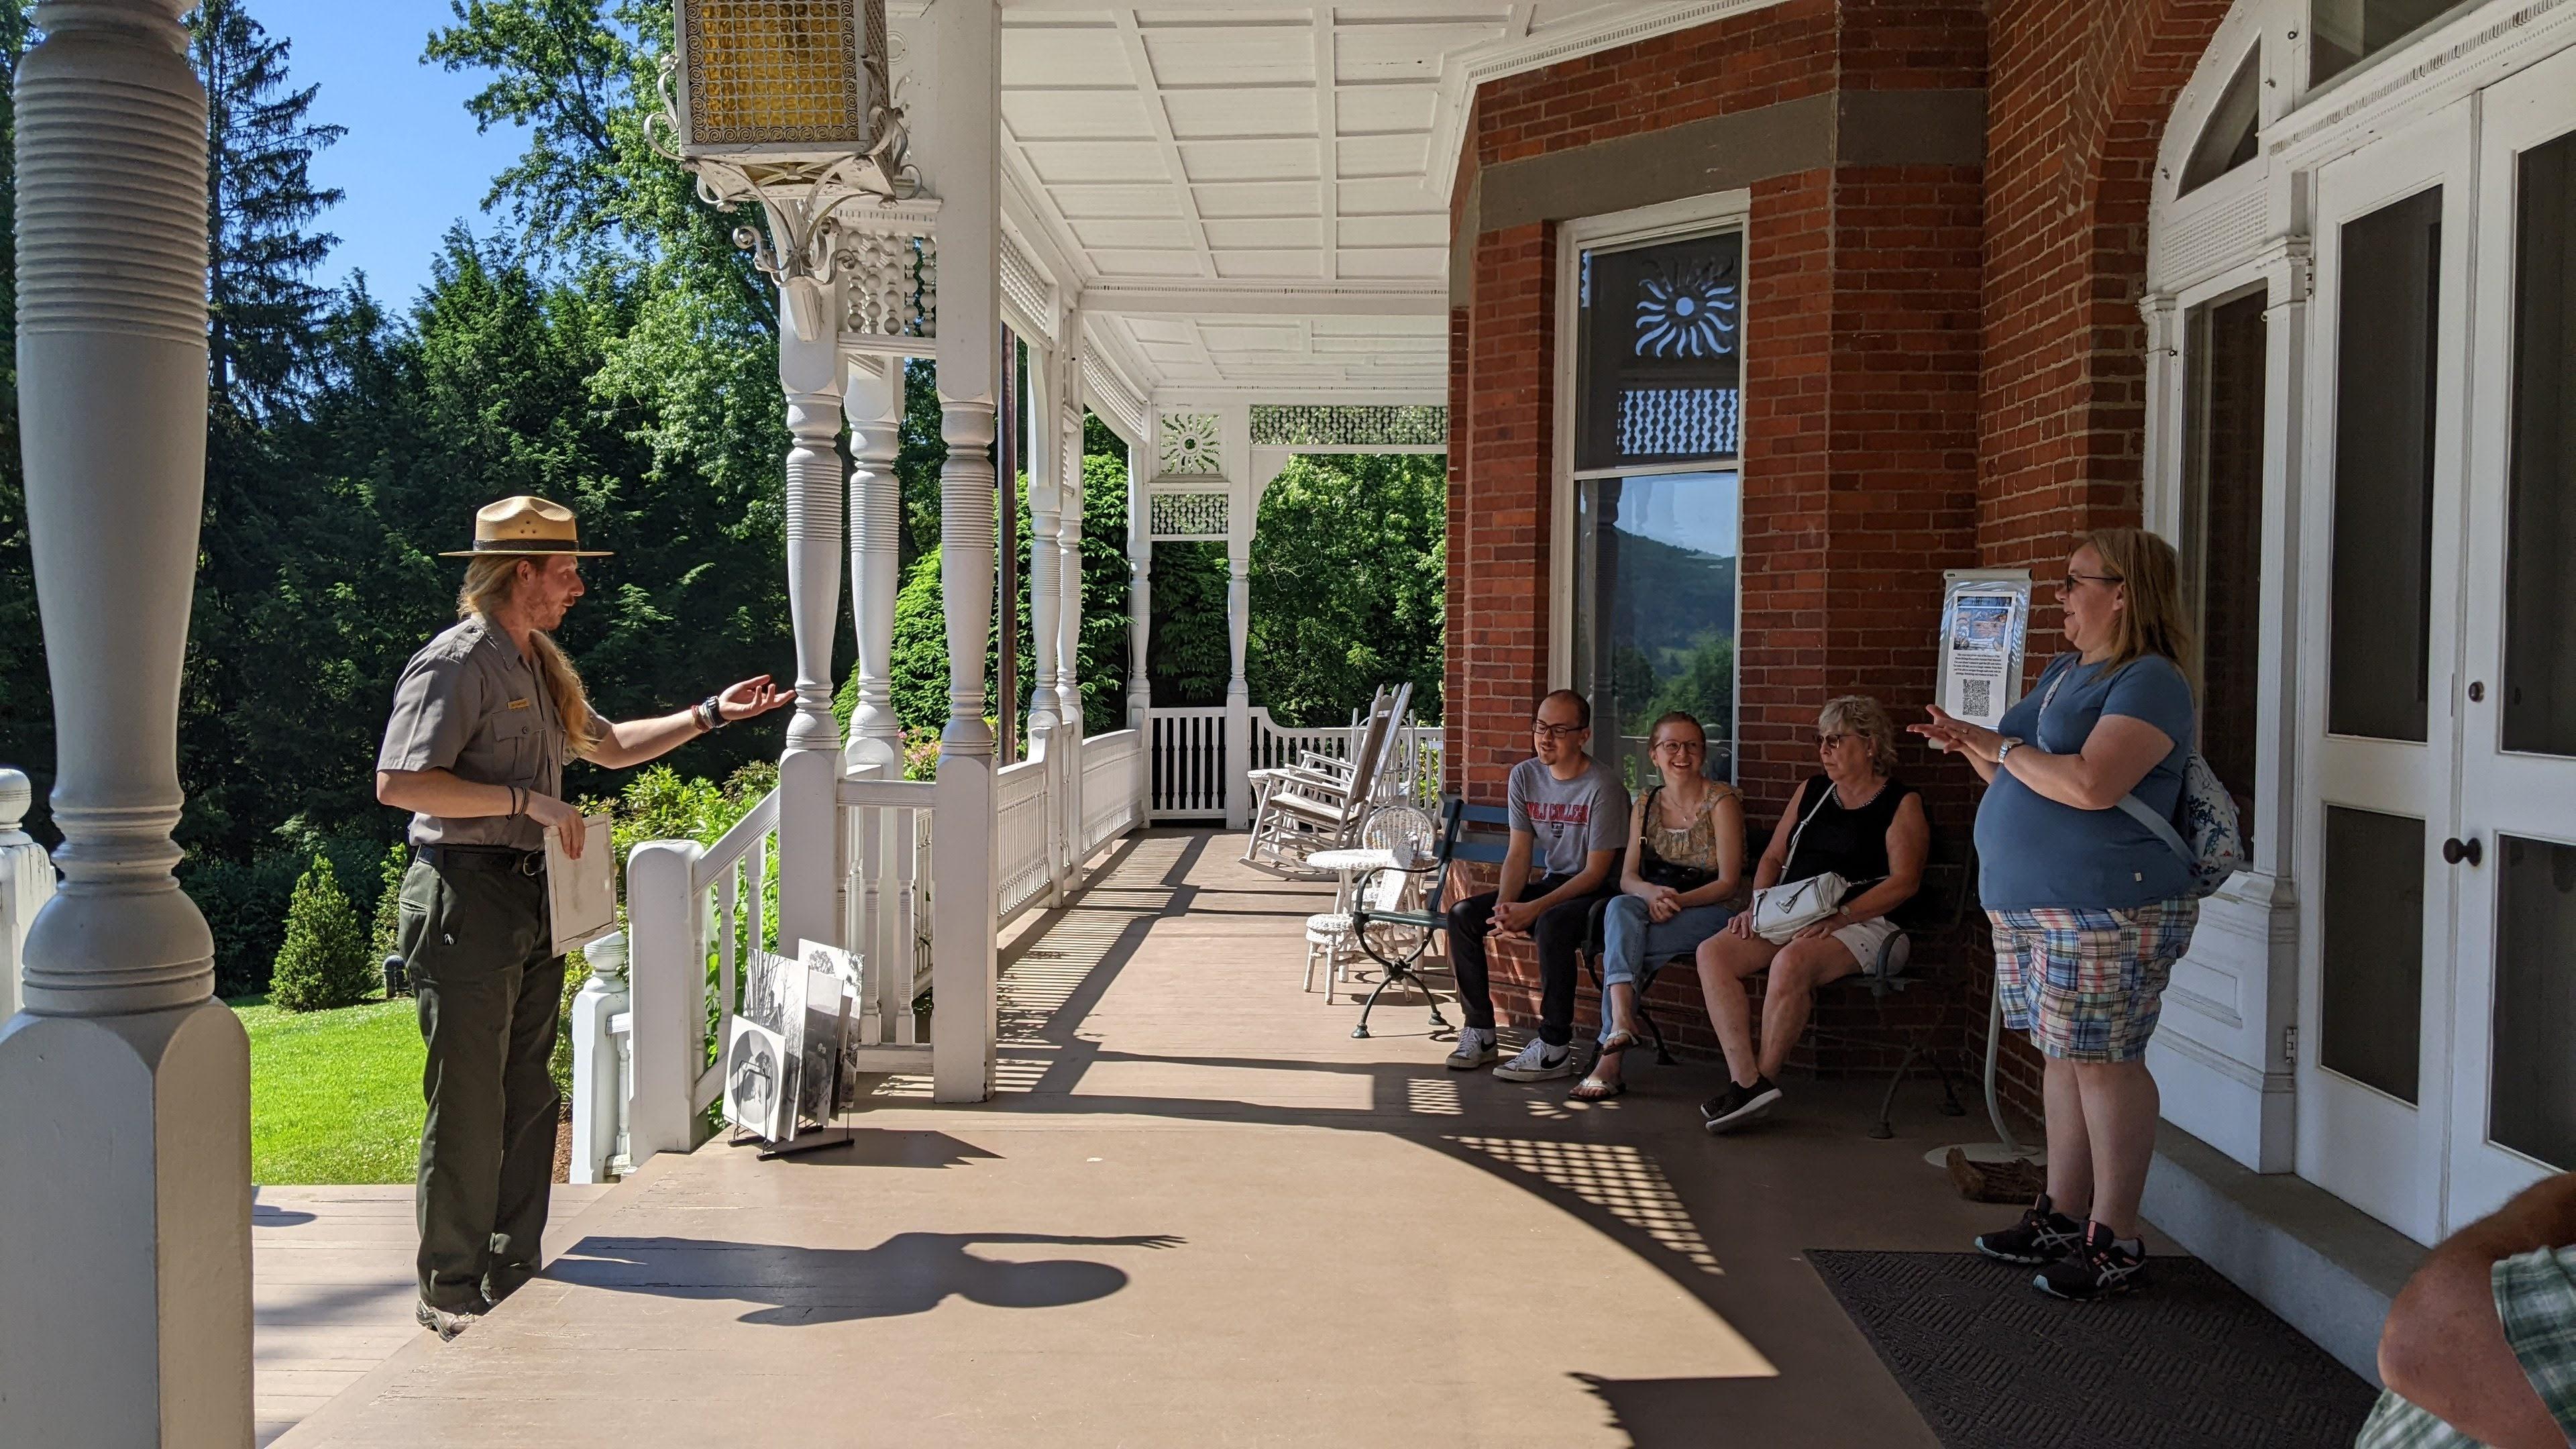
{"x": 484, "y": 721}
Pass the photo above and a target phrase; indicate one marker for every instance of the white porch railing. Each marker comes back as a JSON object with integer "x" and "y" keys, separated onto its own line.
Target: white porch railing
{"x": 26, "y": 883}
{"x": 1021, "y": 871}
{"x": 1189, "y": 766}
{"x": 695, "y": 913}
{"x": 1113, "y": 787}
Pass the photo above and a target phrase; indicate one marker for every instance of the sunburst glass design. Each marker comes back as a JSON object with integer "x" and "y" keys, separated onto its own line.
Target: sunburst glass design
{"x": 1688, "y": 313}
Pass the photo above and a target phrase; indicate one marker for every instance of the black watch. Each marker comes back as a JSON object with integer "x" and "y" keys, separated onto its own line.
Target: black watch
{"x": 710, "y": 713}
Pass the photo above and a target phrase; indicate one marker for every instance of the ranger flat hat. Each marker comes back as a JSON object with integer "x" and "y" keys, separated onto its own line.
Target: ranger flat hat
{"x": 525, "y": 525}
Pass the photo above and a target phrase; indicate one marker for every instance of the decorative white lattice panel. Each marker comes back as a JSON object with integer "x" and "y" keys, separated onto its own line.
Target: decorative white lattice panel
{"x": 1679, "y": 420}
{"x": 1194, "y": 445}
{"x": 890, "y": 277}
{"x": 1350, "y": 425}
{"x": 1175, "y": 517}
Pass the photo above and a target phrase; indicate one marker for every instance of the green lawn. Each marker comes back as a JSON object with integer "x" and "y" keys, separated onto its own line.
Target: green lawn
{"x": 334, "y": 1095}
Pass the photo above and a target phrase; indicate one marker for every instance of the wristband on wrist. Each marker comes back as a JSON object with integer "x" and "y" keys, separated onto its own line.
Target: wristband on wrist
{"x": 710, "y": 714}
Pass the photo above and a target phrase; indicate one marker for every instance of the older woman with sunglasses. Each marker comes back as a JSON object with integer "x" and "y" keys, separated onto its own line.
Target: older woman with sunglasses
{"x": 1856, "y": 820}
{"x": 1685, "y": 861}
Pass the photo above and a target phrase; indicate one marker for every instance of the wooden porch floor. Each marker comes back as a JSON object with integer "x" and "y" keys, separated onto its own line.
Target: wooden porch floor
{"x": 1199, "y": 1212}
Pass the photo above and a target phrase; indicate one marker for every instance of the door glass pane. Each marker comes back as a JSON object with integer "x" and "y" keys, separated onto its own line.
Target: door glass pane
{"x": 2223, "y": 532}
{"x": 1661, "y": 342}
{"x": 2383, "y": 475}
{"x": 2342, "y": 33}
{"x": 1654, "y": 611}
{"x": 2540, "y": 534}
{"x": 2373, "y": 994}
{"x": 2531, "y": 1095}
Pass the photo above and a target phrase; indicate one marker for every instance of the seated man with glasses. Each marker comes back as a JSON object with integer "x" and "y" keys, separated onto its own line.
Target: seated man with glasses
{"x": 1569, "y": 826}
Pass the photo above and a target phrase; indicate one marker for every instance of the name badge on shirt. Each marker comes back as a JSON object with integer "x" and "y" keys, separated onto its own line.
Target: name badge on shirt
{"x": 518, "y": 704}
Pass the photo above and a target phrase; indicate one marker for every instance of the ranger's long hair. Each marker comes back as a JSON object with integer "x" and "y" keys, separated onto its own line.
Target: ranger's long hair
{"x": 489, "y": 583}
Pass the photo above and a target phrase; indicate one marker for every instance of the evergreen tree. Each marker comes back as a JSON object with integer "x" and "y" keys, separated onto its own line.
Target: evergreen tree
{"x": 323, "y": 963}
{"x": 262, "y": 307}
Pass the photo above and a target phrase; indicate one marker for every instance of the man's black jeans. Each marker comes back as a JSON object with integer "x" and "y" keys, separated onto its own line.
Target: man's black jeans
{"x": 1559, "y": 933}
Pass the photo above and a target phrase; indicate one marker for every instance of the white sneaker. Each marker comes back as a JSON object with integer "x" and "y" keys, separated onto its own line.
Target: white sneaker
{"x": 1475, "y": 1048}
{"x": 1537, "y": 1062}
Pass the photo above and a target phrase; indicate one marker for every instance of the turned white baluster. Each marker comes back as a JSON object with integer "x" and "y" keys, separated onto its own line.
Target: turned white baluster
{"x": 809, "y": 820}
{"x": 874, "y": 404}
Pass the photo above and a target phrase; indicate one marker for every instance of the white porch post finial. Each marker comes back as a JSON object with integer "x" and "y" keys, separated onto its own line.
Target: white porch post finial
{"x": 125, "y": 1149}
{"x": 964, "y": 136}
{"x": 809, "y": 819}
{"x": 874, "y": 403}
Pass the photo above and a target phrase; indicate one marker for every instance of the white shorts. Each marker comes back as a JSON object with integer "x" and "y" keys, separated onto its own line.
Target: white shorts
{"x": 1866, "y": 939}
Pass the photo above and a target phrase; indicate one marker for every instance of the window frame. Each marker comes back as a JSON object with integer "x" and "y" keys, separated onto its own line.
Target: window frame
{"x": 1717, "y": 211}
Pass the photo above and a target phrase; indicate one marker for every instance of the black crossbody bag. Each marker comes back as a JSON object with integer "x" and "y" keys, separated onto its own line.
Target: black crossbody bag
{"x": 1653, "y": 869}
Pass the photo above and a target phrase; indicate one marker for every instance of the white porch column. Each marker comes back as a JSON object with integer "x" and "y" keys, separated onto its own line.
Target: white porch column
{"x": 1140, "y": 573}
{"x": 125, "y": 1146}
{"x": 963, "y": 134}
{"x": 1068, "y": 666}
{"x": 1242, "y": 499}
{"x": 873, "y": 402}
{"x": 809, "y": 811}
{"x": 1046, "y": 507}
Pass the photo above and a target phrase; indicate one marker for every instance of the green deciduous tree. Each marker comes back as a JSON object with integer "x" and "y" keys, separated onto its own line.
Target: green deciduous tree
{"x": 1349, "y": 569}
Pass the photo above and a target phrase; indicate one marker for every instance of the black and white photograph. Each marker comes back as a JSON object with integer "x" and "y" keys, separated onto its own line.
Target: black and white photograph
{"x": 843, "y": 967}
{"x": 754, "y": 1091}
{"x": 818, "y": 1076}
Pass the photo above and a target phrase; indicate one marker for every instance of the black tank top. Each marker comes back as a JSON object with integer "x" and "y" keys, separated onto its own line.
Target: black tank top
{"x": 1850, "y": 843}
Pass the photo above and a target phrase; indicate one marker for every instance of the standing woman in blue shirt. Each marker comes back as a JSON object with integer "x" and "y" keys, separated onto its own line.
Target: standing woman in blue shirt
{"x": 2091, "y": 910}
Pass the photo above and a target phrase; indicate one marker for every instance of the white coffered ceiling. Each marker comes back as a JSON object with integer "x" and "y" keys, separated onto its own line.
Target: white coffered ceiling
{"x": 1247, "y": 196}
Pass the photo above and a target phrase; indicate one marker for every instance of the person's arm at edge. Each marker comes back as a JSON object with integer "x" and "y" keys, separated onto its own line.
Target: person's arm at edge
{"x": 2443, "y": 1347}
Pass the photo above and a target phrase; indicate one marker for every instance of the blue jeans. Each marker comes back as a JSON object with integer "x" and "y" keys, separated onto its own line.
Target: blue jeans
{"x": 1632, "y": 944}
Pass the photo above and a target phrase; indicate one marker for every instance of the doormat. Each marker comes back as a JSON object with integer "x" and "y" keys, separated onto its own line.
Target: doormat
{"x": 2187, "y": 1361}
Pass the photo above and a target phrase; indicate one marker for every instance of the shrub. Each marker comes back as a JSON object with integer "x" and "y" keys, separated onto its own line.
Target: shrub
{"x": 389, "y": 901}
{"x": 323, "y": 961}
{"x": 245, "y": 906}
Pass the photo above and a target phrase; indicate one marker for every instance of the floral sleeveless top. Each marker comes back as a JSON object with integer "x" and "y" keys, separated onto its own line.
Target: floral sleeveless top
{"x": 1695, "y": 844}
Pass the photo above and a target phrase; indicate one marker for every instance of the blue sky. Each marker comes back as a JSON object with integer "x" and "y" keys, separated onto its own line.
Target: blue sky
{"x": 412, "y": 162}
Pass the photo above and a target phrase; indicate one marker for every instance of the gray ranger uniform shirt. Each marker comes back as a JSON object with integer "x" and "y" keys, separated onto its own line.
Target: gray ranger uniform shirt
{"x": 469, "y": 703}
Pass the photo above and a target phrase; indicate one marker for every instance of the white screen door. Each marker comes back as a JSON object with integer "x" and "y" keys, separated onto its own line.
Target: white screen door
{"x": 2383, "y": 482}
{"x": 2513, "y": 1082}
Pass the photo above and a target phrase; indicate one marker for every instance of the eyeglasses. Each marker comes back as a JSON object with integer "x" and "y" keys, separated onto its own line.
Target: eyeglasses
{"x": 1687, "y": 747}
{"x": 1830, "y": 742}
{"x": 2072, "y": 579}
{"x": 1556, "y": 732}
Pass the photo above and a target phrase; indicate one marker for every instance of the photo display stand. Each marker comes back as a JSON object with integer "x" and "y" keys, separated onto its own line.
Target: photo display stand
{"x": 789, "y": 1072}
{"x": 1985, "y": 627}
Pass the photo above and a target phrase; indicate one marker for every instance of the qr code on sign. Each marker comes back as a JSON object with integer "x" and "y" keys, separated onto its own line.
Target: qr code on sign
{"x": 1976, "y": 697}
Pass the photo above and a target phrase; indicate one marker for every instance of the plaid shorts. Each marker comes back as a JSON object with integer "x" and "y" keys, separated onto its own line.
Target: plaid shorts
{"x": 2088, "y": 983}
{"x": 2535, "y": 1296}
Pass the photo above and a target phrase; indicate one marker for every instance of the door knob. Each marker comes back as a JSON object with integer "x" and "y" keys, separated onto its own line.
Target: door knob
{"x": 2456, "y": 850}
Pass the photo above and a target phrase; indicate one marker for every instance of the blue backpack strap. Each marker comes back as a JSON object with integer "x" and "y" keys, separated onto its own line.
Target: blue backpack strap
{"x": 2145, "y": 814}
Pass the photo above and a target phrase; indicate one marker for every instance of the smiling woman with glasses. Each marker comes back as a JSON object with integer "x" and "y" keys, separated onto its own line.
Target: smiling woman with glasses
{"x": 1685, "y": 861}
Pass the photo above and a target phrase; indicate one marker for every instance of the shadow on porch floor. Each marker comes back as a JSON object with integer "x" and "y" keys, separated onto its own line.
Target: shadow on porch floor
{"x": 1199, "y": 1212}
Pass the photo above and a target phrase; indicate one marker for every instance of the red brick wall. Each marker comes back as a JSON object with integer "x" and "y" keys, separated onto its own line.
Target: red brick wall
{"x": 1861, "y": 390}
{"x": 2075, "y": 112}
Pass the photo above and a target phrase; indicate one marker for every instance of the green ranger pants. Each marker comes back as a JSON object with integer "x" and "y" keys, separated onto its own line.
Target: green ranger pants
{"x": 479, "y": 951}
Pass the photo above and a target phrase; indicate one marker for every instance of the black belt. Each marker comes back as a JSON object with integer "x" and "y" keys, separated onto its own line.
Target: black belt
{"x": 482, "y": 857}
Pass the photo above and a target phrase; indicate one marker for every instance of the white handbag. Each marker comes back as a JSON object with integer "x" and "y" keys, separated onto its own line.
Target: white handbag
{"x": 1781, "y": 911}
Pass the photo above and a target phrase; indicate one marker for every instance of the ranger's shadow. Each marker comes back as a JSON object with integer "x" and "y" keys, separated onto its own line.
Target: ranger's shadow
{"x": 907, "y": 1273}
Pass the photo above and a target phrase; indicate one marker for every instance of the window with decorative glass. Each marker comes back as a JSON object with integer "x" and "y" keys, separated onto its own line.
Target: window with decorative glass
{"x": 1657, "y": 431}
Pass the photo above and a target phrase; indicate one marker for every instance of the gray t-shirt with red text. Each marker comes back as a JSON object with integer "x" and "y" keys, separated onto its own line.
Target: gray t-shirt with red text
{"x": 1569, "y": 818}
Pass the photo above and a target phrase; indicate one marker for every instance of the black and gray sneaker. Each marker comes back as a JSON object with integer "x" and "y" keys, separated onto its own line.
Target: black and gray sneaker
{"x": 2098, "y": 1267}
{"x": 2043, "y": 1236}
{"x": 1739, "y": 1104}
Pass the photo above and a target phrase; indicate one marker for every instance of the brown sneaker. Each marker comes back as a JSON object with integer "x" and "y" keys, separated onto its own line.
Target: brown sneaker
{"x": 443, "y": 1323}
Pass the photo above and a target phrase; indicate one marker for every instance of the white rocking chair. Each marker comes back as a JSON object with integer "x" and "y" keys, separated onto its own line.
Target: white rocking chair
{"x": 1320, "y": 803}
